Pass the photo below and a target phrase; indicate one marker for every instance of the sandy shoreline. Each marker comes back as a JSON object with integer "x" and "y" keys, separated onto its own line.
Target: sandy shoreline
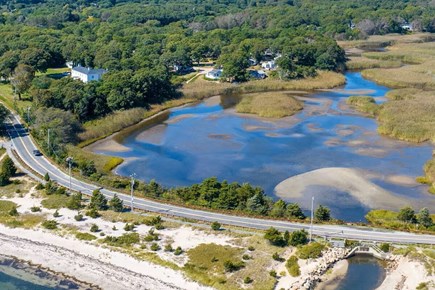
{"x": 90, "y": 263}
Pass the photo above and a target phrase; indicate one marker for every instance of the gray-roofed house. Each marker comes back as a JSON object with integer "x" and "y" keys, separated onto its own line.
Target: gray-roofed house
{"x": 86, "y": 74}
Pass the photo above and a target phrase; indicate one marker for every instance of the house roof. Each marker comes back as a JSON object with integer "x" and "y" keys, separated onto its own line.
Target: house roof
{"x": 89, "y": 71}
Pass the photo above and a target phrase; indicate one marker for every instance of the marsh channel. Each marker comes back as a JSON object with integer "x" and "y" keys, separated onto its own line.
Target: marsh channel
{"x": 194, "y": 142}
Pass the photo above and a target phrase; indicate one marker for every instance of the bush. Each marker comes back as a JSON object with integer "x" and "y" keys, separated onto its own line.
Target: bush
{"x": 35, "y": 209}
{"x": 93, "y": 213}
{"x": 178, "y": 251}
{"x": 124, "y": 240}
{"x": 293, "y": 266}
{"x": 276, "y": 257}
{"x": 272, "y": 273}
{"x": 14, "y": 212}
{"x": 215, "y": 226}
{"x": 310, "y": 251}
{"x": 128, "y": 227}
{"x": 168, "y": 248}
{"x": 154, "y": 247}
{"x": 50, "y": 224}
{"x": 85, "y": 236}
{"x": 47, "y": 177}
{"x": 39, "y": 186}
{"x": 78, "y": 217}
{"x": 251, "y": 248}
{"x": 98, "y": 201}
{"x": 247, "y": 280}
{"x": 233, "y": 266}
{"x": 116, "y": 204}
{"x": 385, "y": 247}
{"x": 298, "y": 238}
{"x": 246, "y": 257}
{"x": 94, "y": 228}
{"x": 275, "y": 237}
{"x": 56, "y": 214}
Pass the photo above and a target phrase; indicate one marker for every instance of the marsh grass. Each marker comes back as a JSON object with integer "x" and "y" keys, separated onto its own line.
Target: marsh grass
{"x": 410, "y": 118}
{"x": 269, "y": 105}
{"x": 364, "y": 104}
{"x": 361, "y": 62}
{"x": 388, "y": 219}
{"x": 26, "y": 221}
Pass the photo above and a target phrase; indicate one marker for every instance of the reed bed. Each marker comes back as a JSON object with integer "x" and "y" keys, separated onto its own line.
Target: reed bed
{"x": 269, "y": 105}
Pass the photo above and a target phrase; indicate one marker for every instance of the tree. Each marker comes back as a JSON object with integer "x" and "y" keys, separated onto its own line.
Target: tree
{"x": 234, "y": 66}
{"x": 298, "y": 238}
{"x": 4, "y": 113}
{"x": 424, "y": 218}
{"x": 275, "y": 237}
{"x": 116, "y": 204}
{"x": 322, "y": 213}
{"x": 278, "y": 209}
{"x": 22, "y": 79}
{"x": 8, "y": 167}
{"x": 75, "y": 201}
{"x": 407, "y": 215}
{"x": 98, "y": 201}
{"x": 293, "y": 210}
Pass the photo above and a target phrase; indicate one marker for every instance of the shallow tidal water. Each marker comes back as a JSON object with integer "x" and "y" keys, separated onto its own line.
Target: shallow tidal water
{"x": 16, "y": 275}
{"x": 206, "y": 139}
{"x": 364, "y": 273}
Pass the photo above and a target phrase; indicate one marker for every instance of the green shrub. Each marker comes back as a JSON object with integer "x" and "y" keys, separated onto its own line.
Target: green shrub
{"x": 112, "y": 163}
{"x": 215, "y": 226}
{"x": 93, "y": 213}
{"x": 94, "y": 228}
{"x": 168, "y": 248}
{"x": 128, "y": 227}
{"x": 247, "y": 280}
{"x": 14, "y": 212}
{"x": 39, "y": 186}
{"x": 56, "y": 214}
{"x": 276, "y": 257}
{"x": 50, "y": 224}
{"x": 385, "y": 247}
{"x": 272, "y": 273}
{"x": 35, "y": 209}
{"x": 231, "y": 266}
{"x": 85, "y": 236}
{"x": 124, "y": 240}
{"x": 78, "y": 217}
{"x": 246, "y": 257}
{"x": 178, "y": 251}
{"x": 154, "y": 247}
{"x": 310, "y": 251}
{"x": 293, "y": 266}
{"x": 251, "y": 248}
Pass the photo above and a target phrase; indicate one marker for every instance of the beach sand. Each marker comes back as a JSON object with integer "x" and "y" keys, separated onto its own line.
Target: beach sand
{"x": 90, "y": 263}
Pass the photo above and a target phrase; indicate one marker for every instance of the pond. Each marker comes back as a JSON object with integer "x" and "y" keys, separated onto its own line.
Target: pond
{"x": 363, "y": 273}
{"x": 211, "y": 139}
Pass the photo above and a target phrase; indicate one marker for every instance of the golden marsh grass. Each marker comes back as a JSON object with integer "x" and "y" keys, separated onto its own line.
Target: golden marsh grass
{"x": 269, "y": 105}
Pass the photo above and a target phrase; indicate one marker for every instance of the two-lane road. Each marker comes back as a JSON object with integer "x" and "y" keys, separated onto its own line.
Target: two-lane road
{"x": 24, "y": 146}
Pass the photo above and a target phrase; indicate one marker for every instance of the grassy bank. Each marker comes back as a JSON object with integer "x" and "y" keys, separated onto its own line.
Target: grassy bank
{"x": 269, "y": 105}
{"x": 406, "y": 65}
{"x": 364, "y": 104}
{"x": 389, "y": 219}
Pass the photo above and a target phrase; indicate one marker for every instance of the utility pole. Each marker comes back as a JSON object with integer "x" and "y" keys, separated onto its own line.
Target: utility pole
{"x": 69, "y": 160}
{"x": 312, "y": 216}
{"x": 132, "y": 190}
{"x": 48, "y": 139}
{"x": 28, "y": 115}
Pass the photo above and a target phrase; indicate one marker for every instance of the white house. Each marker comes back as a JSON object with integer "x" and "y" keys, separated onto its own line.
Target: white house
{"x": 86, "y": 74}
{"x": 269, "y": 65}
{"x": 214, "y": 74}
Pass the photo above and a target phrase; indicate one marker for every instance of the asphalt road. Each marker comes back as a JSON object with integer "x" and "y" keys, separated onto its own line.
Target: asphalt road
{"x": 24, "y": 146}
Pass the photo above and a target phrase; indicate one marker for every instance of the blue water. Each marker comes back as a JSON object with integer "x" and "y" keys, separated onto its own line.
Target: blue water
{"x": 15, "y": 275}
{"x": 364, "y": 273}
{"x": 207, "y": 140}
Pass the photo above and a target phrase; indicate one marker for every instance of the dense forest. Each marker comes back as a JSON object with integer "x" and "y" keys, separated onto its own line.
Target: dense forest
{"x": 140, "y": 42}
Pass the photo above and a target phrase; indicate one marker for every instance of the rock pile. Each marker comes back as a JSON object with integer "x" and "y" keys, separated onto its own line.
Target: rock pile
{"x": 311, "y": 278}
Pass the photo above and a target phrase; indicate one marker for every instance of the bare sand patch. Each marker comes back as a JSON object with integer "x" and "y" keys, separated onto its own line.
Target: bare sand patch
{"x": 212, "y": 101}
{"x": 407, "y": 275}
{"x": 403, "y": 180}
{"x": 351, "y": 92}
{"x": 107, "y": 144}
{"x": 373, "y": 152}
{"x": 177, "y": 119}
{"x": 348, "y": 180}
{"x": 332, "y": 279}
